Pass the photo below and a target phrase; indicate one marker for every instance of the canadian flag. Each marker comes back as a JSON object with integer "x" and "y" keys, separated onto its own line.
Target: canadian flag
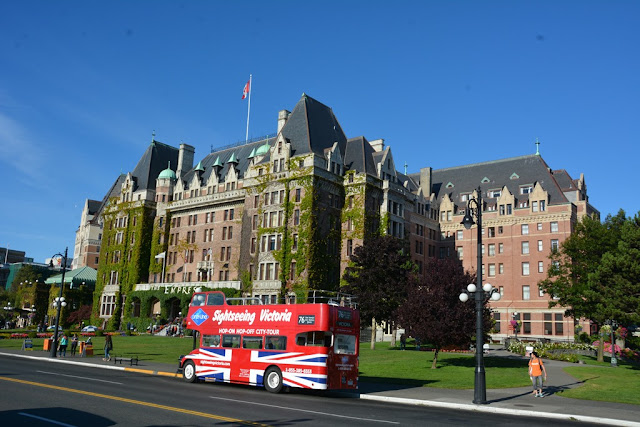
{"x": 246, "y": 90}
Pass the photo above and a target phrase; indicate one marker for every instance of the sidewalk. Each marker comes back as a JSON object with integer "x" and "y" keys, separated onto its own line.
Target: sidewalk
{"x": 512, "y": 401}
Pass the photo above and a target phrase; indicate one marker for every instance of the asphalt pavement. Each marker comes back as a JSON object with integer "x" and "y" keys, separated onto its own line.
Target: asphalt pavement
{"x": 511, "y": 401}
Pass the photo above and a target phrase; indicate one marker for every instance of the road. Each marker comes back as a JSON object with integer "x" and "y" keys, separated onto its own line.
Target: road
{"x": 38, "y": 393}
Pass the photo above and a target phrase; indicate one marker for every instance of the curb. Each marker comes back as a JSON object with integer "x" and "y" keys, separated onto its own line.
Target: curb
{"x": 389, "y": 399}
{"x": 494, "y": 410}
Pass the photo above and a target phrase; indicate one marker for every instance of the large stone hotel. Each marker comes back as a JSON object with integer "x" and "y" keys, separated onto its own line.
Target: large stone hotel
{"x": 279, "y": 216}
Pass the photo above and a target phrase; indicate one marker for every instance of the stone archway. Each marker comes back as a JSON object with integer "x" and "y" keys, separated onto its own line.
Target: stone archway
{"x": 135, "y": 307}
{"x": 173, "y": 308}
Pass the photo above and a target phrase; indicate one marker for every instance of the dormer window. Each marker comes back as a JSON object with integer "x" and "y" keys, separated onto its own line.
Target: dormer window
{"x": 526, "y": 189}
{"x": 494, "y": 193}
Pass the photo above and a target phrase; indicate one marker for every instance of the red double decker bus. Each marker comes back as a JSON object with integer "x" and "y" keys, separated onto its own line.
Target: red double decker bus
{"x": 311, "y": 346}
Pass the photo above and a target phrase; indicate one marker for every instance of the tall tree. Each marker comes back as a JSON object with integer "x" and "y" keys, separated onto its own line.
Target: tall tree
{"x": 378, "y": 276}
{"x": 434, "y": 313}
{"x": 573, "y": 278}
{"x": 618, "y": 276}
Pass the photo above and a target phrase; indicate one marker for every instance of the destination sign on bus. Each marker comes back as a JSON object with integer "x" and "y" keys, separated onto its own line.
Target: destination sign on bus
{"x": 306, "y": 319}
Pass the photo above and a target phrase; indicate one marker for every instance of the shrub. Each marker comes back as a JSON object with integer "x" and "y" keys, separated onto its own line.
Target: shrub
{"x": 99, "y": 333}
{"x": 33, "y": 334}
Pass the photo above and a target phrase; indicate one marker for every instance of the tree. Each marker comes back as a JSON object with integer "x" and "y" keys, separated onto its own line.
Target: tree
{"x": 83, "y": 313}
{"x": 618, "y": 276}
{"x": 185, "y": 250}
{"x": 378, "y": 276}
{"x": 433, "y": 311}
{"x": 574, "y": 278}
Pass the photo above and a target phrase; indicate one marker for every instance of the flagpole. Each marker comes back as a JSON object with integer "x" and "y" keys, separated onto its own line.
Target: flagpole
{"x": 248, "y": 111}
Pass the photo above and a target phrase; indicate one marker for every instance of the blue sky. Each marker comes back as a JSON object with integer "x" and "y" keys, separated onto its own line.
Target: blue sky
{"x": 446, "y": 83}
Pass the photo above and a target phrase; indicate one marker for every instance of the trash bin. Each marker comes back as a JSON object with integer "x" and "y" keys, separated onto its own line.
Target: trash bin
{"x": 46, "y": 346}
{"x": 81, "y": 346}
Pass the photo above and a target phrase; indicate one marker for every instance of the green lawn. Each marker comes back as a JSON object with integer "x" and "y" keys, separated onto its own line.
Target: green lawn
{"x": 454, "y": 370}
{"x": 621, "y": 384}
{"x": 410, "y": 367}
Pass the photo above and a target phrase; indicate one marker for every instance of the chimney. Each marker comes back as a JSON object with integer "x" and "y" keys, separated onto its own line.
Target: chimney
{"x": 377, "y": 145}
{"x": 283, "y": 115}
{"x": 425, "y": 181}
{"x": 185, "y": 159}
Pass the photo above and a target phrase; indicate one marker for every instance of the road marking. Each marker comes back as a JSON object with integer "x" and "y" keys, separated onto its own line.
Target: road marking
{"x": 45, "y": 419}
{"x": 307, "y": 410}
{"x": 84, "y": 378}
{"x": 135, "y": 402}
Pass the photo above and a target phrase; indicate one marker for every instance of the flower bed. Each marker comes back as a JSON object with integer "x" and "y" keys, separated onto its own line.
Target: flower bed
{"x": 19, "y": 335}
{"x": 88, "y": 334}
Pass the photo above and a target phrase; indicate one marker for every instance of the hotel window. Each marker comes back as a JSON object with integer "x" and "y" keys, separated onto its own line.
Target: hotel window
{"x": 492, "y": 270}
{"x": 230, "y": 234}
{"x": 460, "y": 251}
{"x": 501, "y": 268}
{"x": 558, "y": 322}
{"x": 534, "y": 206}
{"x": 540, "y": 248}
{"x": 554, "y": 227}
{"x": 500, "y": 248}
{"x": 350, "y": 202}
{"x": 496, "y": 325}
{"x": 525, "y": 268}
{"x": 542, "y": 205}
{"x": 492, "y": 249}
{"x": 525, "y": 229}
{"x": 296, "y": 217}
{"x": 501, "y": 210}
{"x": 526, "y": 324}
{"x": 253, "y": 245}
{"x": 500, "y": 229}
{"x": 501, "y": 289}
{"x": 540, "y": 266}
{"x": 554, "y": 244}
{"x": 295, "y": 242}
{"x": 460, "y": 235}
{"x": 547, "y": 324}
{"x": 540, "y": 292}
{"x": 525, "y": 248}
{"x": 256, "y": 201}
{"x": 349, "y": 247}
{"x": 272, "y": 242}
{"x": 492, "y": 231}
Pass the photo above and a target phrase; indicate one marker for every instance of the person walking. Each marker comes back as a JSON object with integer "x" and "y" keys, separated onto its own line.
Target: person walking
{"x": 63, "y": 345}
{"x": 536, "y": 370}
{"x": 74, "y": 344}
{"x": 108, "y": 346}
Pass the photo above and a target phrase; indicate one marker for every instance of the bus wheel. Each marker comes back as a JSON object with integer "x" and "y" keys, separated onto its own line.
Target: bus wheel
{"x": 189, "y": 372}
{"x": 273, "y": 380}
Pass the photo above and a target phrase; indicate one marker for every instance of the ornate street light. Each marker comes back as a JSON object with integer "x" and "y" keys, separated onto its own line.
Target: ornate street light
{"x": 482, "y": 293}
{"x": 59, "y": 302}
{"x": 614, "y": 325}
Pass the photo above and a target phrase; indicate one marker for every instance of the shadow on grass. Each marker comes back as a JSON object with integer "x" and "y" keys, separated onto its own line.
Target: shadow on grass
{"x": 489, "y": 362}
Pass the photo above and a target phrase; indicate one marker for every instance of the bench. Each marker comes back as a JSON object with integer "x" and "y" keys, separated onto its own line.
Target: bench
{"x": 119, "y": 359}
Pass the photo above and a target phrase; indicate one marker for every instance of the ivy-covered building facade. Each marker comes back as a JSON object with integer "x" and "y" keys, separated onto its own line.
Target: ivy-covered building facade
{"x": 280, "y": 216}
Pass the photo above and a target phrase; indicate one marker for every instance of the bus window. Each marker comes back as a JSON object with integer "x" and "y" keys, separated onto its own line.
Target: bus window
{"x": 198, "y": 299}
{"x": 211, "y": 340}
{"x": 215, "y": 299}
{"x": 345, "y": 344}
{"x": 252, "y": 342}
{"x": 276, "y": 343}
{"x": 314, "y": 338}
{"x": 231, "y": 341}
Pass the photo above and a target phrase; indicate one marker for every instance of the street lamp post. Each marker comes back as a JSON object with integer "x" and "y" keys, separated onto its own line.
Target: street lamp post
{"x": 481, "y": 294}
{"x": 613, "y": 324}
{"x": 59, "y": 302}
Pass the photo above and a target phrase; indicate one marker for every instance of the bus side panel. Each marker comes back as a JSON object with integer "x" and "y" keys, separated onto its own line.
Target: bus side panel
{"x": 298, "y": 369}
{"x": 211, "y": 363}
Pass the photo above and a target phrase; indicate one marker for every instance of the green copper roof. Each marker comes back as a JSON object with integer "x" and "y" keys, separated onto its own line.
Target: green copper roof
{"x": 217, "y": 162}
{"x": 199, "y": 167}
{"x": 253, "y": 154}
{"x": 167, "y": 173}
{"x": 233, "y": 158}
{"x": 263, "y": 149}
